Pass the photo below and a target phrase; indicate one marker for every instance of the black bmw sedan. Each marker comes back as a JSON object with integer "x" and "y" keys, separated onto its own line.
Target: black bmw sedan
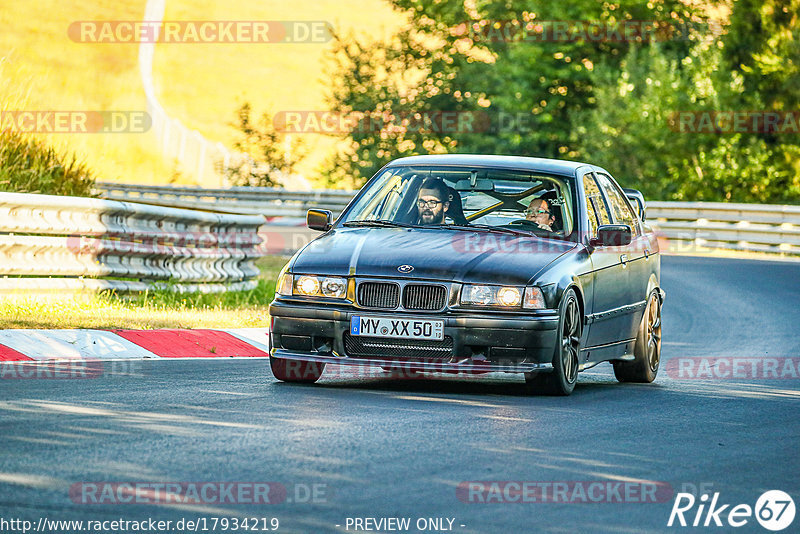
{"x": 466, "y": 263}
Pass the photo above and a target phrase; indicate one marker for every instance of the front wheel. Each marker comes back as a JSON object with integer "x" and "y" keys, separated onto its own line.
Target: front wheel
{"x": 561, "y": 381}
{"x": 647, "y": 349}
{"x": 295, "y": 370}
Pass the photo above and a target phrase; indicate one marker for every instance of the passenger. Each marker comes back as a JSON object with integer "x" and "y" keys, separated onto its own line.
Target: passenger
{"x": 539, "y": 212}
{"x": 432, "y": 201}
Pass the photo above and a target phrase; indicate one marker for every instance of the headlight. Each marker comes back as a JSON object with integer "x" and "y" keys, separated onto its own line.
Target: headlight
{"x": 315, "y": 286}
{"x": 502, "y": 296}
{"x": 509, "y": 296}
{"x": 334, "y": 287}
{"x": 307, "y": 285}
{"x": 478, "y": 295}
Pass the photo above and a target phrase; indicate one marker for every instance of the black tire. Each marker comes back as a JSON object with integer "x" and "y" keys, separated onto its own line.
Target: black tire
{"x": 296, "y": 371}
{"x": 647, "y": 349}
{"x": 561, "y": 381}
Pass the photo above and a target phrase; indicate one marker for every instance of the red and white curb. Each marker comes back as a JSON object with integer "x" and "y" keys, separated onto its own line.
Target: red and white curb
{"x": 42, "y": 345}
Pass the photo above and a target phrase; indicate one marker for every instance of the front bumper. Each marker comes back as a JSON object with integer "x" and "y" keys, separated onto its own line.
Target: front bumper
{"x": 481, "y": 342}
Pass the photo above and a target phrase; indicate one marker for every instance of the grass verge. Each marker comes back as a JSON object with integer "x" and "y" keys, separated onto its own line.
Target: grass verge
{"x": 153, "y": 309}
{"x": 29, "y": 166}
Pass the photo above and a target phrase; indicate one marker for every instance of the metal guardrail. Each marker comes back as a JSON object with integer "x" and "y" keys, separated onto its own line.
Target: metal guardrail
{"x": 267, "y": 201}
{"x": 52, "y": 243}
{"x": 687, "y": 225}
{"x": 747, "y": 227}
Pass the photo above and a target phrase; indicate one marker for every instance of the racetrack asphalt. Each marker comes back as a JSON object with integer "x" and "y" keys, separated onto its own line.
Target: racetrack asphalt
{"x": 381, "y": 446}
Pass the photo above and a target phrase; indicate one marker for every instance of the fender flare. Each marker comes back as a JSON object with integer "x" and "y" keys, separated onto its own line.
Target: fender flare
{"x": 652, "y": 284}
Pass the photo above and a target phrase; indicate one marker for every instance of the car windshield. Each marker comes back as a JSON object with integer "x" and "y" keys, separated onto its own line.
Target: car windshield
{"x": 481, "y": 198}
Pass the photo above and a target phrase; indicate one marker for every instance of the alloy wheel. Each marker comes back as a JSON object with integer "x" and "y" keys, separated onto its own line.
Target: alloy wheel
{"x": 570, "y": 341}
{"x": 653, "y": 333}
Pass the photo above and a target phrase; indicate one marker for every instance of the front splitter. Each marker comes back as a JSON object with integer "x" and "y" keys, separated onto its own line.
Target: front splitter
{"x": 442, "y": 367}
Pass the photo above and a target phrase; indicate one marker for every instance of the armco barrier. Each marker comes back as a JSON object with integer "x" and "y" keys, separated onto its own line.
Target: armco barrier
{"x": 268, "y": 201}
{"x": 748, "y": 227}
{"x": 52, "y": 243}
{"x": 686, "y": 225}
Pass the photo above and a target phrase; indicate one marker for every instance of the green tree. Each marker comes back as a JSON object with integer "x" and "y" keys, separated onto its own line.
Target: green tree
{"x": 632, "y": 128}
{"x": 475, "y": 58}
{"x": 763, "y": 45}
{"x": 266, "y": 147}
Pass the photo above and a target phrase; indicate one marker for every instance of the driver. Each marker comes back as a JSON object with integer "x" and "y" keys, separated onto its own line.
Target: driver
{"x": 432, "y": 201}
{"x": 539, "y": 212}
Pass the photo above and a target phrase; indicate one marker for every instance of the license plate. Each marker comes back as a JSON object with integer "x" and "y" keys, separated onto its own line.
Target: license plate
{"x": 397, "y": 328}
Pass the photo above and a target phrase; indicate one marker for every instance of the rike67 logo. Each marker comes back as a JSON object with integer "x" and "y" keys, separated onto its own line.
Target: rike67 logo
{"x": 774, "y": 510}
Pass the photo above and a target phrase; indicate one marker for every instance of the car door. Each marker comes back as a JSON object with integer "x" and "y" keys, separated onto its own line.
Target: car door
{"x": 636, "y": 254}
{"x": 606, "y": 324}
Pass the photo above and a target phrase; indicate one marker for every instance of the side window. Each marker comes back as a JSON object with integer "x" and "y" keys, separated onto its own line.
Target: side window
{"x": 618, "y": 203}
{"x": 595, "y": 206}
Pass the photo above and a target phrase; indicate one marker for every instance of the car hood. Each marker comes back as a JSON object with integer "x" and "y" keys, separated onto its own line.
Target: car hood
{"x": 434, "y": 254}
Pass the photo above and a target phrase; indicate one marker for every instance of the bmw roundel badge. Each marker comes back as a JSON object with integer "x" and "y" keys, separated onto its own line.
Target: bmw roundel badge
{"x": 405, "y": 268}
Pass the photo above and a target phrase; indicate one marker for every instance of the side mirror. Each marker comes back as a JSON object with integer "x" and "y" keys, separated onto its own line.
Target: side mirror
{"x": 613, "y": 235}
{"x": 319, "y": 220}
{"x": 637, "y": 199}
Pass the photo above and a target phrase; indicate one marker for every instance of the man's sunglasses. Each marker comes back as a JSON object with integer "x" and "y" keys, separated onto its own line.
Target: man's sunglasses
{"x": 428, "y": 203}
{"x": 536, "y": 212}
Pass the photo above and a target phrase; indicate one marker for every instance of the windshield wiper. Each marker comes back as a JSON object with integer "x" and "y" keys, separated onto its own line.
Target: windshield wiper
{"x": 381, "y": 223}
{"x": 485, "y": 228}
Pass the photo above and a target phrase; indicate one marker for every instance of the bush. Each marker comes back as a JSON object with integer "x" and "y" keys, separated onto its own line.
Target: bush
{"x": 29, "y": 166}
